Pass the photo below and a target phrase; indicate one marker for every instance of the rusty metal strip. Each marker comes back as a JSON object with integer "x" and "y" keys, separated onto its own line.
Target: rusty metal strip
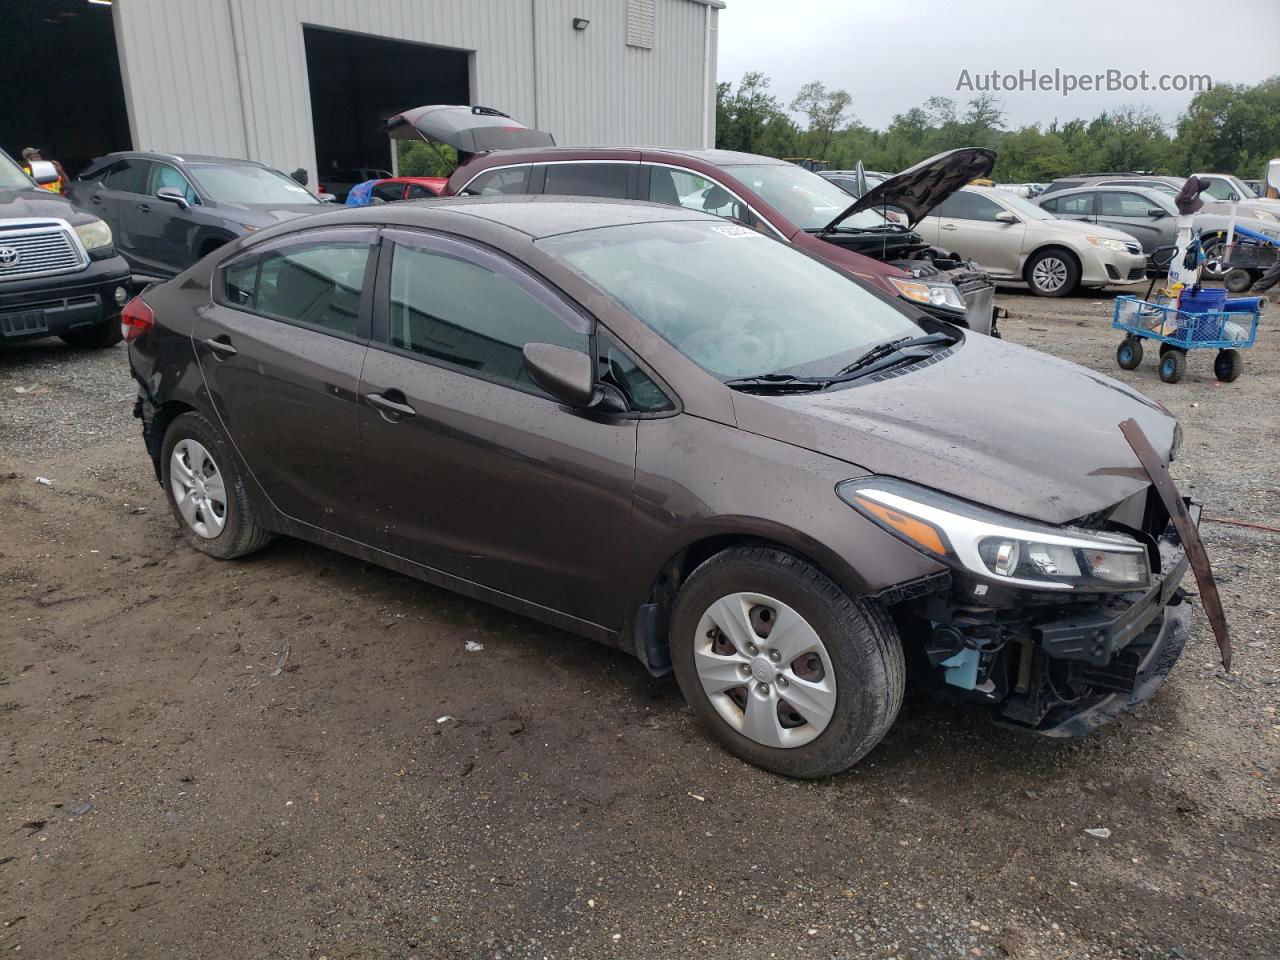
{"x": 1187, "y": 533}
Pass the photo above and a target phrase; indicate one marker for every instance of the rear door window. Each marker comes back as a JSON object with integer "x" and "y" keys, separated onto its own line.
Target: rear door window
{"x": 316, "y": 282}
{"x": 1078, "y": 205}
{"x": 129, "y": 176}
{"x": 612, "y": 180}
{"x": 1113, "y": 203}
{"x": 495, "y": 183}
{"x": 389, "y": 191}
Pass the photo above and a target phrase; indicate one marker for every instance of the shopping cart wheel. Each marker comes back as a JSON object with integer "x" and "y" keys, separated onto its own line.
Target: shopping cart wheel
{"x": 1227, "y": 365}
{"x": 1239, "y": 280}
{"x": 1129, "y": 353}
{"x": 1173, "y": 365}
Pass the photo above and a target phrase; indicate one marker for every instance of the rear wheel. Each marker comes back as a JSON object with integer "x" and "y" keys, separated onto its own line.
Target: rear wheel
{"x": 208, "y": 496}
{"x": 1173, "y": 365}
{"x": 1239, "y": 280}
{"x": 1053, "y": 273}
{"x": 1227, "y": 365}
{"x": 1129, "y": 353}
{"x": 105, "y": 334}
{"x": 782, "y": 666}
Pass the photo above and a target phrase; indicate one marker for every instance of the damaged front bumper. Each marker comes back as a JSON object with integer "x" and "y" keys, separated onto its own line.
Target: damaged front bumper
{"x": 1053, "y": 667}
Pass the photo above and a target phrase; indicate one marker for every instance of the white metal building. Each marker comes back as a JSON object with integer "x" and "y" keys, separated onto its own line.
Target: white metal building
{"x": 304, "y": 83}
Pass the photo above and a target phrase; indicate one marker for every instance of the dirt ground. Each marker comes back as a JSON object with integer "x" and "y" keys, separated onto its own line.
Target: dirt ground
{"x": 295, "y": 755}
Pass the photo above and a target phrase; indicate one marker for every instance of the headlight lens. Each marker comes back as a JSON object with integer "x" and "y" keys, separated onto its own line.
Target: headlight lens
{"x": 933, "y": 294}
{"x": 999, "y": 546}
{"x": 94, "y": 235}
{"x": 1106, "y": 243}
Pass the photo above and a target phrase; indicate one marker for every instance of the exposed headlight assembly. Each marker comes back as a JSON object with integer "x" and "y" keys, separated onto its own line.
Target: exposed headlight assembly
{"x": 930, "y": 294}
{"x": 998, "y": 546}
{"x": 94, "y": 235}
{"x": 1107, "y": 243}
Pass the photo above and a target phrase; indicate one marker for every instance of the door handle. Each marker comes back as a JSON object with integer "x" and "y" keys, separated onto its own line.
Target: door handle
{"x": 391, "y": 405}
{"x": 145, "y": 208}
{"x": 221, "y": 346}
{"x": 95, "y": 198}
{"x": 948, "y": 226}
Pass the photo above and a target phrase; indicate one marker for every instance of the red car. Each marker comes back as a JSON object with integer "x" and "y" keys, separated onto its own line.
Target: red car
{"x": 499, "y": 155}
{"x": 409, "y": 188}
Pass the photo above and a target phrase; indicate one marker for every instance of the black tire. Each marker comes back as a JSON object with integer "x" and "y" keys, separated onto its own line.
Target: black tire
{"x": 1239, "y": 280}
{"x": 1068, "y": 268}
{"x": 1129, "y": 353}
{"x": 100, "y": 335}
{"x": 860, "y": 640}
{"x": 241, "y": 533}
{"x": 1173, "y": 365}
{"x": 1227, "y": 365}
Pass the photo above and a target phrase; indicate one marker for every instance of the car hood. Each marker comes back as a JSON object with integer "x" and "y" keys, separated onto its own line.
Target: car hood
{"x": 466, "y": 129}
{"x": 919, "y": 189}
{"x": 23, "y": 202}
{"x": 268, "y": 214}
{"x": 993, "y": 423}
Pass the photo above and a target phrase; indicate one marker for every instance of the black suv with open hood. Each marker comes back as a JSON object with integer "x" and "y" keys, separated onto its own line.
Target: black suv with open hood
{"x": 60, "y": 274}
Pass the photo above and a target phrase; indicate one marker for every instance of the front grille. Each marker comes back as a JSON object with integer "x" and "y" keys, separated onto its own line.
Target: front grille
{"x": 1137, "y": 273}
{"x": 38, "y": 252}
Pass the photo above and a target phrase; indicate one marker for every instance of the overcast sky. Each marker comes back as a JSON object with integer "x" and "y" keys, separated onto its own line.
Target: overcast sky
{"x": 892, "y": 56}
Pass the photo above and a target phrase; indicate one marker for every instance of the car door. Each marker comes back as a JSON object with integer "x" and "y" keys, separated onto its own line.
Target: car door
{"x": 468, "y": 468}
{"x": 1074, "y": 206}
{"x": 1131, "y": 213}
{"x": 280, "y": 348}
{"x": 967, "y": 224}
{"x": 123, "y": 188}
{"x": 162, "y": 229}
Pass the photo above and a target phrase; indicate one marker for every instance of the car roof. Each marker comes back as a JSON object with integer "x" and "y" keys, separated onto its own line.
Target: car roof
{"x": 175, "y": 158}
{"x": 719, "y": 158}
{"x": 545, "y": 216}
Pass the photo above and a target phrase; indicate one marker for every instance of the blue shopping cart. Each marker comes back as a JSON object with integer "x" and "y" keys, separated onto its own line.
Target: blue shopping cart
{"x": 1204, "y": 319}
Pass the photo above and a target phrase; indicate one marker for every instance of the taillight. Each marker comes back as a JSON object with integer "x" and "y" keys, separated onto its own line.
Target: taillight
{"x": 136, "y": 319}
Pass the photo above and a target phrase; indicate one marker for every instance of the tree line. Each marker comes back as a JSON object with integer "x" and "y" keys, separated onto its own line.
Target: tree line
{"x": 1227, "y": 129}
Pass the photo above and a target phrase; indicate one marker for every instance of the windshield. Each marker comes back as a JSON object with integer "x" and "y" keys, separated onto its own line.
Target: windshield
{"x": 802, "y": 196}
{"x": 11, "y": 174}
{"x": 735, "y": 302}
{"x": 242, "y": 183}
{"x": 1242, "y": 188}
{"x": 1024, "y": 208}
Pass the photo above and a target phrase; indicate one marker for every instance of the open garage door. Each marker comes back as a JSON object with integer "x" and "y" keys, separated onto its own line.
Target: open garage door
{"x": 62, "y": 88}
{"x": 357, "y": 81}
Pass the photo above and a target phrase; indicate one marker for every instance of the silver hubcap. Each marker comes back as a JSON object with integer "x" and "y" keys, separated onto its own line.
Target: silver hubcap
{"x": 196, "y": 484}
{"x": 1049, "y": 274}
{"x": 765, "y": 670}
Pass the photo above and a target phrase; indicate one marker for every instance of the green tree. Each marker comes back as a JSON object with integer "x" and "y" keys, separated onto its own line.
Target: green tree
{"x": 826, "y": 110}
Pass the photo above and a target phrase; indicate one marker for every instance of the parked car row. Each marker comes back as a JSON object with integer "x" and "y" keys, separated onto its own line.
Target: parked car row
{"x": 660, "y": 399}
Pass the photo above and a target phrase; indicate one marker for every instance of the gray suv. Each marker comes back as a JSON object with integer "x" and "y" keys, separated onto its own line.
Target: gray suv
{"x": 166, "y": 211}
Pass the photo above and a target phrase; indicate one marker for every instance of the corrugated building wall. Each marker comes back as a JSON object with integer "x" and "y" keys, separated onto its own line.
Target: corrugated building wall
{"x": 229, "y": 77}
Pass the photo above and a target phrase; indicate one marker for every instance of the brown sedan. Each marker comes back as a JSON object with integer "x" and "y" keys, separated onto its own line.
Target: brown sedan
{"x": 675, "y": 435}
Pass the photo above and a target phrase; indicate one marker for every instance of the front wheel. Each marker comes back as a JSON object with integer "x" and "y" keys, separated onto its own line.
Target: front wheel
{"x": 96, "y": 337}
{"x": 1239, "y": 280}
{"x": 1129, "y": 353}
{"x": 1053, "y": 273}
{"x": 1173, "y": 365}
{"x": 1227, "y": 365}
{"x": 783, "y": 667}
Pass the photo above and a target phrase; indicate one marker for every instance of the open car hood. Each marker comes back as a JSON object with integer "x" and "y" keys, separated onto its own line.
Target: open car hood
{"x": 919, "y": 189}
{"x": 466, "y": 129}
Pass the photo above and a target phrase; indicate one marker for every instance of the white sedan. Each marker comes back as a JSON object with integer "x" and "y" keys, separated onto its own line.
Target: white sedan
{"x": 1015, "y": 240}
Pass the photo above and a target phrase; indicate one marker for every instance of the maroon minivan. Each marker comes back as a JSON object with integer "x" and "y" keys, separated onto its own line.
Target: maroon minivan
{"x": 501, "y": 157}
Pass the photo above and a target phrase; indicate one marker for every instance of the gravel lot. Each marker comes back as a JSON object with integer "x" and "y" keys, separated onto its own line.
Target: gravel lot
{"x": 295, "y": 756}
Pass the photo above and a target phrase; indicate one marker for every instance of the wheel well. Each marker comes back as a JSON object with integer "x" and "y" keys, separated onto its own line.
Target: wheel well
{"x": 1071, "y": 254}
{"x": 165, "y": 414}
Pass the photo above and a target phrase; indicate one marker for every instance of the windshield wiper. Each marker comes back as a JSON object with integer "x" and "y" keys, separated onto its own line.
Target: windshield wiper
{"x": 891, "y": 352}
{"x": 777, "y": 383}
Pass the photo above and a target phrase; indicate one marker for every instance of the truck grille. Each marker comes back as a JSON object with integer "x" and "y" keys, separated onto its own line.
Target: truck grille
{"x": 38, "y": 251}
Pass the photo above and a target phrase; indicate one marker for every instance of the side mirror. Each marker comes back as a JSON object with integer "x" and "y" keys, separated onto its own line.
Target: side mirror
{"x": 566, "y": 374}
{"x": 1155, "y": 213}
{"x": 42, "y": 172}
{"x": 1004, "y": 216}
{"x": 173, "y": 195}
